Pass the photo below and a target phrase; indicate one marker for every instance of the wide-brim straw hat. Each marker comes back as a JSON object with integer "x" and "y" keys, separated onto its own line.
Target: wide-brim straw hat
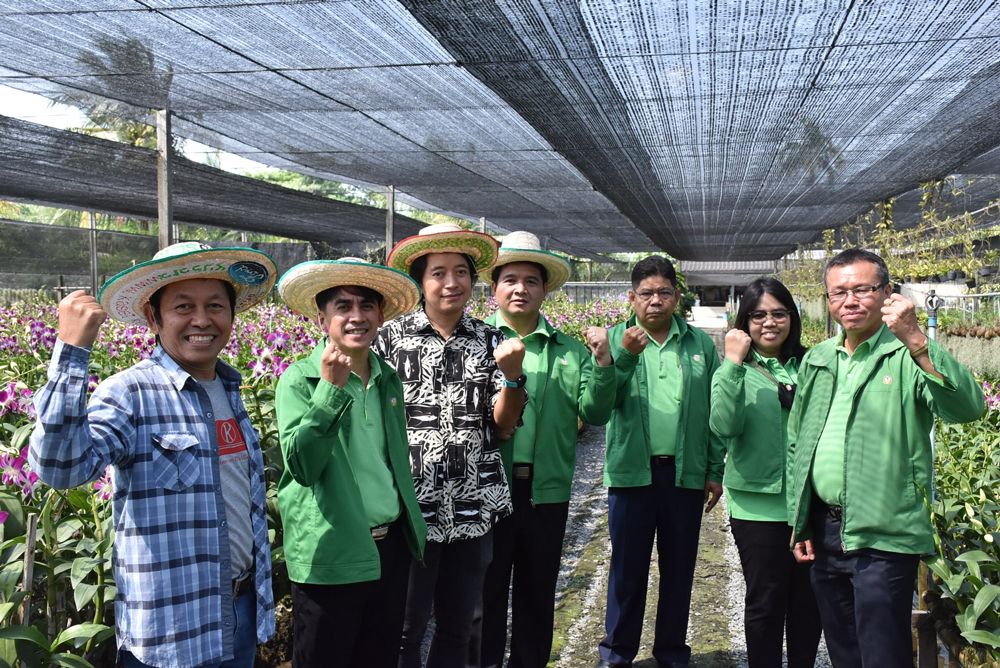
{"x": 525, "y": 247}
{"x": 250, "y": 272}
{"x": 444, "y": 238}
{"x": 300, "y": 285}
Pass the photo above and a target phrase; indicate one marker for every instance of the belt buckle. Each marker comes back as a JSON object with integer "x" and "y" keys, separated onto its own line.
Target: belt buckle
{"x": 522, "y": 472}
{"x": 836, "y": 512}
{"x": 380, "y": 532}
{"x": 242, "y": 585}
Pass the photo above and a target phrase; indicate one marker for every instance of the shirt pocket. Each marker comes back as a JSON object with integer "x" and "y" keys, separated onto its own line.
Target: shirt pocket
{"x": 175, "y": 462}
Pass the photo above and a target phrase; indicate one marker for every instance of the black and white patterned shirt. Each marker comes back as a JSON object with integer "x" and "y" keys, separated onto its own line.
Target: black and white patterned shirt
{"x": 450, "y": 389}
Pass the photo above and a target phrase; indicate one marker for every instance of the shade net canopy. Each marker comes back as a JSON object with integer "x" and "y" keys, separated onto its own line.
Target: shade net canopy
{"x": 43, "y": 165}
{"x": 729, "y": 130}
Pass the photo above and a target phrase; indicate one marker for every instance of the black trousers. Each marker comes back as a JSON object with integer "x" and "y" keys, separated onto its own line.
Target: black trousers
{"x": 357, "y": 624}
{"x": 635, "y": 515}
{"x": 779, "y": 598}
{"x": 864, "y": 596}
{"x": 451, "y": 582}
{"x": 529, "y": 544}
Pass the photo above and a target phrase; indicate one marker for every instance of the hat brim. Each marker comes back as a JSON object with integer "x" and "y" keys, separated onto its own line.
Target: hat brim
{"x": 300, "y": 285}
{"x": 251, "y": 273}
{"x": 556, "y": 266}
{"x": 479, "y": 245}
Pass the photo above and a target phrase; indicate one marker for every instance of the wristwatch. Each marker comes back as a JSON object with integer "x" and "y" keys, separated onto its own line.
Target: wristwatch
{"x": 519, "y": 383}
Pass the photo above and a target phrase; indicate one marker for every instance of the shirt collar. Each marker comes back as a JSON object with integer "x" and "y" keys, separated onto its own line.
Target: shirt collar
{"x": 421, "y": 324}
{"x": 179, "y": 377}
{"x": 543, "y": 329}
{"x": 868, "y": 344}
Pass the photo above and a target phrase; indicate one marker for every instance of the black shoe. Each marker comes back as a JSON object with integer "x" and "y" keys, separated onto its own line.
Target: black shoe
{"x": 604, "y": 663}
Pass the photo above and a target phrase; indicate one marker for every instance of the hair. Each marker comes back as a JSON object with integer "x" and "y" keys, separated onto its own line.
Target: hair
{"x": 324, "y": 298}
{"x": 792, "y": 347}
{"x": 157, "y": 297}
{"x": 419, "y": 266}
{"x": 541, "y": 269}
{"x": 853, "y": 256}
{"x": 654, "y": 265}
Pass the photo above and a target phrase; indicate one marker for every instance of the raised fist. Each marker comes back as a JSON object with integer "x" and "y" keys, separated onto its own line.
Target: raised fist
{"x": 597, "y": 339}
{"x": 80, "y": 319}
{"x": 900, "y": 316}
{"x": 737, "y": 345}
{"x": 509, "y": 356}
{"x": 635, "y": 339}
{"x": 335, "y": 366}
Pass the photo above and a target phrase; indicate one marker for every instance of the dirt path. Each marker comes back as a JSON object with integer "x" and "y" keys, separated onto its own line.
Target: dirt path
{"x": 583, "y": 581}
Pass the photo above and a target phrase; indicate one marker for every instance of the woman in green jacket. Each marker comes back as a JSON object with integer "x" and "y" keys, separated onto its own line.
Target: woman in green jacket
{"x": 751, "y": 396}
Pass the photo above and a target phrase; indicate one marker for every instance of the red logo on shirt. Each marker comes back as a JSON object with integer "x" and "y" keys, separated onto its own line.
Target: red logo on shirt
{"x": 230, "y": 437}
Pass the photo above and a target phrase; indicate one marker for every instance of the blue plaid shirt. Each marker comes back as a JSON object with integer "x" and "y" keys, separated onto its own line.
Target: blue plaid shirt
{"x": 153, "y": 422}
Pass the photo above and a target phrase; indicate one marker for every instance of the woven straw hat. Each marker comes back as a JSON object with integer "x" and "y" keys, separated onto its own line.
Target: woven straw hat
{"x": 525, "y": 247}
{"x": 250, "y": 272}
{"x": 300, "y": 284}
{"x": 444, "y": 238}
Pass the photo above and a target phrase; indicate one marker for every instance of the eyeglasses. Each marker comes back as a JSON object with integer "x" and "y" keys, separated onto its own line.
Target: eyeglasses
{"x": 860, "y": 293}
{"x": 778, "y": 315}
{"x": 665, "y": 295}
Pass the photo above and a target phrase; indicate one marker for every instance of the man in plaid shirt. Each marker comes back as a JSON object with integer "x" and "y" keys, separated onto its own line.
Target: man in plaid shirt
{"x": 191, "y": 555}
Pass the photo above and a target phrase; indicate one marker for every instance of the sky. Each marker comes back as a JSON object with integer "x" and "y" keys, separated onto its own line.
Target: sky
{"x": 37, "y": 109}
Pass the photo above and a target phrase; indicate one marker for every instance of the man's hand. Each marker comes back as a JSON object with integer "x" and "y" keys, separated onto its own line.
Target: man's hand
{"x": 900, "y": 316}
{"x": 80, "y": 319}
{"x": 803, "y": 552}
{"x": 635, "y": 339}
{"x": 737, "y": 345}
{"x": 510, "y": 356}
{"x": 335, "y": 366}
{"x": 597, "y": 339}
{"x": 713, "y": 492}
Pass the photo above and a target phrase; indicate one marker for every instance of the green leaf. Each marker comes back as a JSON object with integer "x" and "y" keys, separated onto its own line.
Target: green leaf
{"x": 982, "y": 637}
{"x": 10, "y": 606}
{"x": 973, "y": 555}
{"x": 985, "y": 598}
{"x": 70, "y": 661}
{"x": 81, "y": 633}
{"x": 82, "y": 567}
{"x": 10, "y": 574}
{"x": 13, "y": 526}
{"x": 83, "y": 594}
{"x": 29, "y": 633}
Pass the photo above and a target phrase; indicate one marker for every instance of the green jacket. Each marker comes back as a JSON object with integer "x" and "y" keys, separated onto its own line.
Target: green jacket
{"x": 327, "y": 537}
{"x": 574, "y": 386}
{"x": 700, "y": 454}
{"x": 746, "y": 412}
{"x": 888, "y": 463}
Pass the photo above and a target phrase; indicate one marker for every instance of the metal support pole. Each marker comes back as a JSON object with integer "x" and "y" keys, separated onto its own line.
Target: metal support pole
{"x": 164, "y": 177}
{"x": 93, "y": 254}
{"x": 482, "y": 224}
{"x": 390, "y": 219}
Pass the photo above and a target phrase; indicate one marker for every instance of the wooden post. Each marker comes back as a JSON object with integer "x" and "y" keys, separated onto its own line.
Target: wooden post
{"x": 927, "y": 649}
{"x": 93, "y": 254}
{"x": 30, "y": 539}
{"x": 164, "y": 177}
{"x": 390, "y": 221}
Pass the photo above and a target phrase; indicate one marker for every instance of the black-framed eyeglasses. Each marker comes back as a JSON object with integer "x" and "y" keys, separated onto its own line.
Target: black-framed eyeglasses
{"x": 665, "y": 295}
{"x": 860, "y": 293}
{"x": 778, "y": 315}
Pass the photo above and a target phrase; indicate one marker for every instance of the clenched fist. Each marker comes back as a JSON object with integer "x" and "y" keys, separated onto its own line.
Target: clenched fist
{"x": 80, "y": 319}
{"x": 900, "y": 316}
{"x": 510, "y": 356}
{"x": 597, "y": 340}
{"x": 335, "y": 365}
{"x": 737, "y": 345}
{"x": 635, "y": 339}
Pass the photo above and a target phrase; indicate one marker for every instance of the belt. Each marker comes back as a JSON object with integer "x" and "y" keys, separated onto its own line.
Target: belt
{"x": 522, "y": 471}
{"x": 380, "y": 532}
{"x": 243, "y": 585}
{"x": 836, "y": 512}
{"x": 661, "y": 460}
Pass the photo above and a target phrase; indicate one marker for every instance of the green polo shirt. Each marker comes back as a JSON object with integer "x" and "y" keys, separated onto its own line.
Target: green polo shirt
{"x": 757, "y": 506}
{"x": 828, "y": 463}
{"x": 662, "y": 365}
{"x": 368, "y": 451}
{"x": 534, "y": 367}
